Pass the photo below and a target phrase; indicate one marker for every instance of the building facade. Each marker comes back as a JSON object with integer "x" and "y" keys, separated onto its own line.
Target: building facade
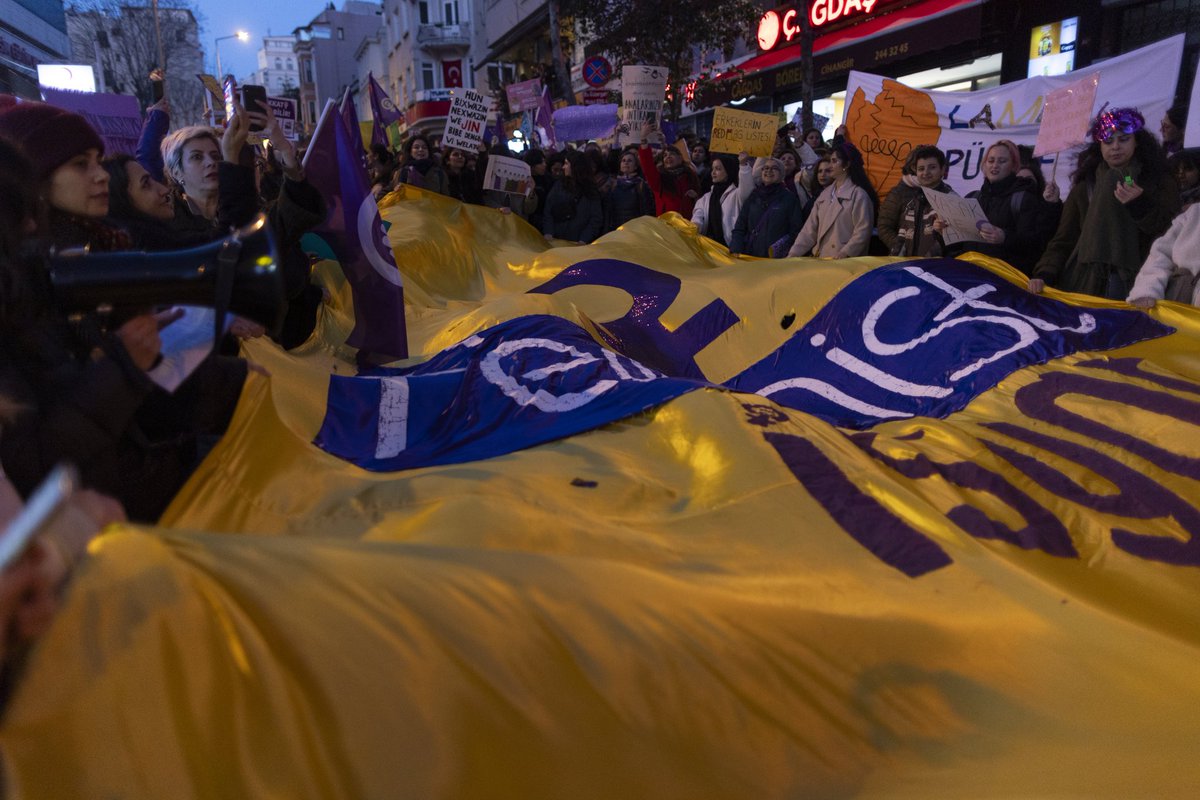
{"x": 32, "y": 32}
{"x": 325, "y": 54}
{"x": 277, "y": 69}
{"x": 428, "y": 54}
{"x": 122, "y": 45}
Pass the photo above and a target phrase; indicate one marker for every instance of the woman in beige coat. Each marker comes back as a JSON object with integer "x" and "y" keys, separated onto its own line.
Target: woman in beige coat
{"x": 842, "y": 218}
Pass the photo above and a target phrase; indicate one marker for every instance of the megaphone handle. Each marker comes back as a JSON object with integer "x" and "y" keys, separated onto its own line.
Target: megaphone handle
{"x": 226, "y": 269}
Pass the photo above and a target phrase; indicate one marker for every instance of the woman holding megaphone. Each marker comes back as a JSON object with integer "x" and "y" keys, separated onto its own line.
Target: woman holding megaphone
{"x": 81, "y": 386}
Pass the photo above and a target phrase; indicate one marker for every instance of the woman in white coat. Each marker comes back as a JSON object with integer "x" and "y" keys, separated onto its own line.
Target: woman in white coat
{"x": 1175, "y": 253}
{"x": 717, "y": 211}
{"x": 843, "y": 216}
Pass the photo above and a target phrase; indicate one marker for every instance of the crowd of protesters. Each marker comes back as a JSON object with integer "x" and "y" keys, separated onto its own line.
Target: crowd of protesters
{"x": 76, "y": 389}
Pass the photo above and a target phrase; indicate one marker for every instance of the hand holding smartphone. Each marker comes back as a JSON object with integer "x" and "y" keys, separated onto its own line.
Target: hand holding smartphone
{"x": 254, "y": 99}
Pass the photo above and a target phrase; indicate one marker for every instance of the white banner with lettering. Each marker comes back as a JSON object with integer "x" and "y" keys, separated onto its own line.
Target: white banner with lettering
{"x": 887, "y": 119}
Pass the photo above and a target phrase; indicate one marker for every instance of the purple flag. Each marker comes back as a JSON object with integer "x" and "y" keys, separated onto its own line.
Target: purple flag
{"x": 545, "y": 119}
{"x": 382, "y": 109}
{"x": 353, "y": 233}
{"x": 350, "y": 118}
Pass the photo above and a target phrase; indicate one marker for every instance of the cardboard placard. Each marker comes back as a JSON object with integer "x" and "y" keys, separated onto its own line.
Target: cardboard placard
{"x": 962, "y": 214}
{"x": 1066, "y": 115}
{"x": 508, "y": 175}
{"x": 524, "y": 96}
{"x": 642, "y": 92}
{"x": 467, "y": 119}
{"x": 285, "y": 109}
{"x": 734, "y": 131}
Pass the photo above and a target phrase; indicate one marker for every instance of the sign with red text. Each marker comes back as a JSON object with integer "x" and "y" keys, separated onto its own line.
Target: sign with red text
{"x": 1066, "y": 116}
{"x": 734, "y": 131}
{"x": 524, "y": 96}
{"x": 782, "y": 25}
{"x": 467, "y": 118}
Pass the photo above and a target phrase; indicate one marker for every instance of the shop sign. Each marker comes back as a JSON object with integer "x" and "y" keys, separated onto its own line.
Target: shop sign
{"x": 782, "y": 25}
{"x": 863, "y": 55}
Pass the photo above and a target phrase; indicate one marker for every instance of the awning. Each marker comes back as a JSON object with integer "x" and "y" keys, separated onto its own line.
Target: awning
{"x": 902, "y": 34}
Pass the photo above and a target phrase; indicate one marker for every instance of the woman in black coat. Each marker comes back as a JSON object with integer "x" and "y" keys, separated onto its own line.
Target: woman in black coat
{"x": 1013, "y": 208}
{"x": 573, "y": 208}
{"x": 771, "y": 217}
{"x": 627, "y": 196}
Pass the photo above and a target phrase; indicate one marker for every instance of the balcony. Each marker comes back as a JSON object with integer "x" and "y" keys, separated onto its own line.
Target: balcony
{"x": 444, "y": 37}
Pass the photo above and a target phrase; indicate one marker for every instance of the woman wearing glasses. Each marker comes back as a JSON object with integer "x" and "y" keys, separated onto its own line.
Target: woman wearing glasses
{"x": 1122, "y": 198}
{"x": 770, "y": 216}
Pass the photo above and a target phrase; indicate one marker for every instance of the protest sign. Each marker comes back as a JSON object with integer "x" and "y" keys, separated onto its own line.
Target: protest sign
{"x": 577, "y": 123}
{"x": 508, "y": 175}
{"x": 819, "y": 122}
{"x": 524, "y": 96}
{"x": 962, "y": 214}
{"x": 116, "y": 117}
{"x": 1066, "y": 116}
{"x": 1191, "y": 133}
{"x": 642, "y": 93}
{"x": 215, "y": 104}
{"x": 887, "y": 119}
{"x": 285, "y": 111}
{"x": 734, "y": 131}
{"x": 467, "y": 119}
{"x": 808, "y": 156}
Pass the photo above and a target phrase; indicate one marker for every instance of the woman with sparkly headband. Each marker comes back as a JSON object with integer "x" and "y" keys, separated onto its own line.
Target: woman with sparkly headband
{"x": 1122, "y": 198}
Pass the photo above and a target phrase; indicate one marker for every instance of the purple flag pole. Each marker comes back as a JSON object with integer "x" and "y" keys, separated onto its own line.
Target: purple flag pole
{"x": 355, "y": 234}
{"x": 545, "y": 119}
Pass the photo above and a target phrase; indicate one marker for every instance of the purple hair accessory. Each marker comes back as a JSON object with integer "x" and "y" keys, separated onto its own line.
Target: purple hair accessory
{"x": 1116, "y": 120}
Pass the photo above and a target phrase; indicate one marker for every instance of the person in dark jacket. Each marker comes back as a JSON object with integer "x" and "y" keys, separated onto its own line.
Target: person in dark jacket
{"x": 419, "y": 168}
{"x": 542, "y": 183}
{"x": 627, "y": 196}
{"x": 216, "y": 191}
{"x": 573, "y": 208}
{"x": 771, "y": 217}
{"x": 1122, "y": 199}
{"x": 1012, "y": 207}
{"x": 83, "y": 386}
{"x": 905, "y": 218}
{"x": 462, "y": 182}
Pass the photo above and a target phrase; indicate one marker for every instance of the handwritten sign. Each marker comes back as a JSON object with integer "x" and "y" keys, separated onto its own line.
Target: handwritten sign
{"x": 467, "y": 118}
{"x": 508, "y": 175}
{"x": 642, "y": 92}
{"x": 1066, "y": 115}
{"x": 734, "y": 131}
{"x": 963, "y": 214}
{"x": 524, "y": 96}
{"x": 116, "y": 117}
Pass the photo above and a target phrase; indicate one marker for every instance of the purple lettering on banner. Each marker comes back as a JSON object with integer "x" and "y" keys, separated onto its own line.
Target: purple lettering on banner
{"x": 639, "y": 334}
{"x": 1138, "y": 496}
{"x": 886, "y": 536}
{"x": 1042, "y": 530}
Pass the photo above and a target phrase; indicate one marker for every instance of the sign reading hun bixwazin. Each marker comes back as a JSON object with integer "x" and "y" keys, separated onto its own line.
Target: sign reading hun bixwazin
{"x": 734, "y": 131}
{"x": 467, "y": 119}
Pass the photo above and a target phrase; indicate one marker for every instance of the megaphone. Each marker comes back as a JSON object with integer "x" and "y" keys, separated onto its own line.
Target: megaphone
{"x": 239, "y": 274}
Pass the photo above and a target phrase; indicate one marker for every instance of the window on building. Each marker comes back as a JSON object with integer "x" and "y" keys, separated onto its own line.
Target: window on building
{"x": 423, "y": 12}
{"x": 102, "y": 39}
{"x": 291, "y": 64}
{"x": 279, "y": 63}
{"x": 341, "y": 33}
{"x": 180, "y": 36}
{"x": 450, "y": 12}
{"x": 428, "y": 80}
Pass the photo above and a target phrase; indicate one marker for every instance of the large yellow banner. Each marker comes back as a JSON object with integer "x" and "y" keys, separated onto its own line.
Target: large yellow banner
{"x": 722, "y": 596}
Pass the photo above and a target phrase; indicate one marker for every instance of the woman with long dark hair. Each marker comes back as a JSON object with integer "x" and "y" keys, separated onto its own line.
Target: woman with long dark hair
{"x": 418, "y": 167}
{"x": 717, "y": 211}
{"x": 676, "y": 186}
{"x": 627, "y": 195}
{"x": 1122, "y": 198}
{"x": 573, "y": 209}
{"x": 843, "y": 216}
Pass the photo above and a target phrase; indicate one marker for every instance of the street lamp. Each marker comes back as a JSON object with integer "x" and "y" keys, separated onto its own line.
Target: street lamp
{"x": 241, "y": 36}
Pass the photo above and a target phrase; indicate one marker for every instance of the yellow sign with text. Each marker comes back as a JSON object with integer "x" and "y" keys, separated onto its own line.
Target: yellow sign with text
{"x": 734, "y": 131}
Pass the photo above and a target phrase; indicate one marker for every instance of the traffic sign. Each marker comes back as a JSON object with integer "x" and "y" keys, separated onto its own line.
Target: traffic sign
{"x": 596, "y": 71}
